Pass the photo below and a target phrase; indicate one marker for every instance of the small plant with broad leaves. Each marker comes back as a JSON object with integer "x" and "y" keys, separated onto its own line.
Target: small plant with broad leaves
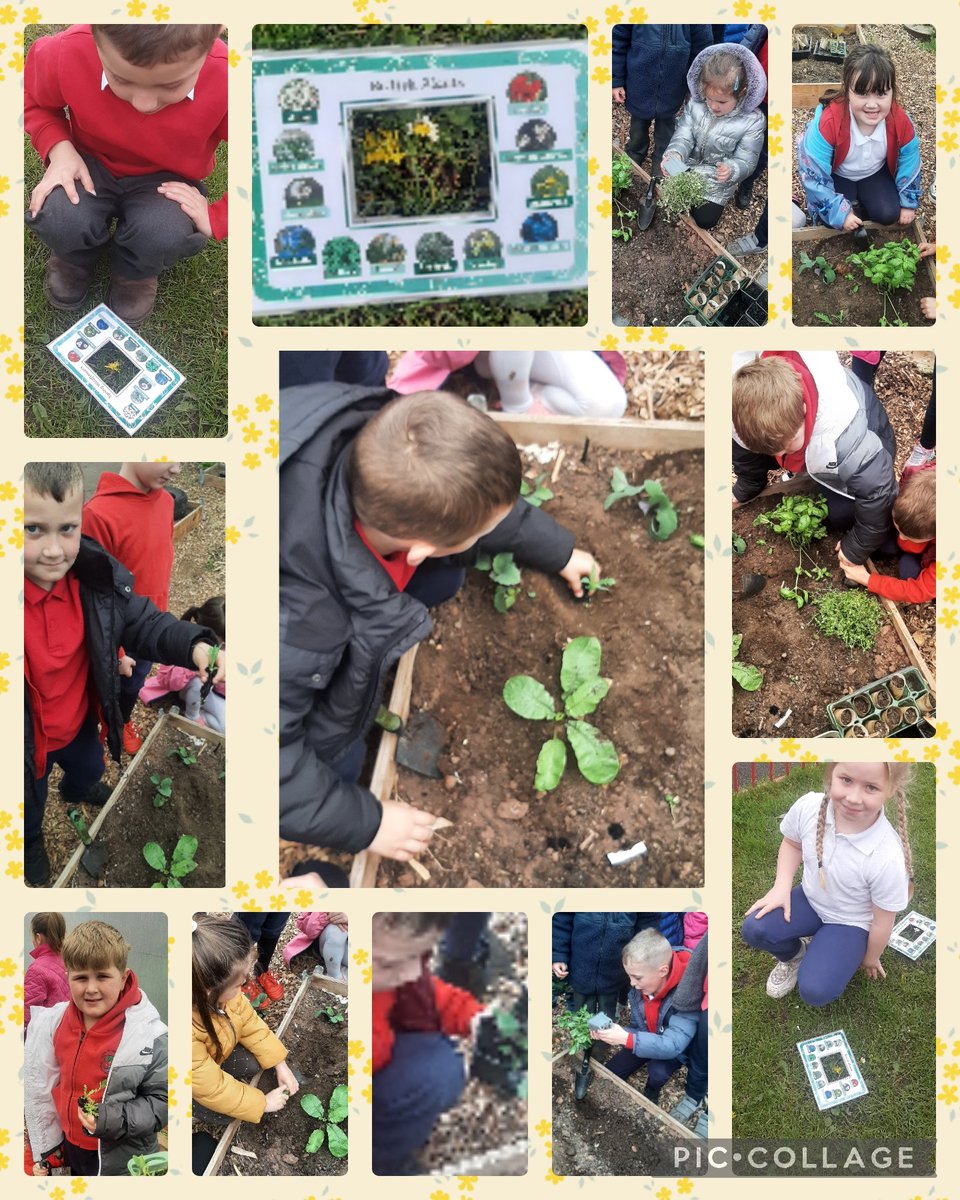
{"x": 678, "y": 194}
{"x": 890, "y": 267}
{"x": 332, "y": 1118}
{"x": 800, "y": 519}
{"x": 583, "y": 689}
{"x": 186, "y": 756}
{"x": 505, "y": 574}
{"x": 333, "y": 1015}
{"x": 749, "y": 677}
{"x": 181, "y": 863}
{"x": 850, "y": 614}
{"x": 164, "y": 791}
{"x": 536, "y": 493}
{"x": 500, "y": 1050}
{"x": 826, "y": 271}
{"x": 655, "y": 504}
{"x": 576, "y": 1025}
{"x": 623, "y": 177}
{"x": 591, "y": 586}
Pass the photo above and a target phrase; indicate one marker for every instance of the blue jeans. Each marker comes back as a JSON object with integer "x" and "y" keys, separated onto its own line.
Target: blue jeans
{"x": 82, "y": 763}
{"x": 832, "y": 958}
{"x": 696, "y": 1085}
{"x": 424, "y": 1078}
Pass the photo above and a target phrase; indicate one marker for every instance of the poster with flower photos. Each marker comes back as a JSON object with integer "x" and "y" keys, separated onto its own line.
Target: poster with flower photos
{"x": 395, "y": 174}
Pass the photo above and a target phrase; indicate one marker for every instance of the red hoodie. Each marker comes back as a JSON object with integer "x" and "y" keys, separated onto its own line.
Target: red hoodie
{"x": 84, "y": 1057}
{"x": 427, "y": 1005}
{"x": 924, "y": 587}
{"x": 63, "y": 101}
{"x": 137, "y": 529}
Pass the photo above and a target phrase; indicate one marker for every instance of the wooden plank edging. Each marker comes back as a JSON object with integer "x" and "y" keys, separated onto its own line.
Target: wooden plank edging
{"x": 904, "y": 634}
{"x": 616, "y": 433}
{"x": 182, "y": 527}
{"x": 653, "y": 1110}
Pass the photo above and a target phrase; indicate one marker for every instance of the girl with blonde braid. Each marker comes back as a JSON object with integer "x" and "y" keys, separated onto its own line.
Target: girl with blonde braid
{"x": 857, "y": 875}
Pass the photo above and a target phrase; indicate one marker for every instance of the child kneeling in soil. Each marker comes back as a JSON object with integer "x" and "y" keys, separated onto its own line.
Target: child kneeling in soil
{"x": 857, "y": 875}
{"x": 211, "y": 709}
{"x": 229, "y": 1038}
{"x": 383, "y": 503}
{"x": 95, "y": 1066}
{"x": 804, "y": 412}
{"x": 720, "y": 132}
{"x": 418, "y": 1071}
{"x": 79, "y": 608}
{"x": 914, "y": 517}
{"x": 661, "y": 1032}
{"x": 859, "y": 158}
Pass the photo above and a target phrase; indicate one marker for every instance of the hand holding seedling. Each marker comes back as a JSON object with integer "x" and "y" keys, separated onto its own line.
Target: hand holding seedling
{"x": 907, "y": 215}
{"x": 126, "y": 665}
{"x": 723, "y": 172}
{"x": 561, "y": 970}
{"x": 88, "y": 1121}
{"x": 286, "y": 1079}
{"x": 613, "y": 1035}
{"x": 851, "y": 221}
{"x": 581, "y": 564}
{"x": 65, "y": 167}
{"x": 192, "y": 201}
{"x": 404, "y": 831}
{"x": 200, "y": 654}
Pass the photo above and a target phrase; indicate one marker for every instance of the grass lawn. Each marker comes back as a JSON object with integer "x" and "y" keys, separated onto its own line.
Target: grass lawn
{"x": 189, "y": 327}
{"x": 560, "y": 308}
{"x": 889, "y": 1023}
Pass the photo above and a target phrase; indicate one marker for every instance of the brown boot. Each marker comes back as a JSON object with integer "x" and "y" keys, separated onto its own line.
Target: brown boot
{"x": 133, "y": 300}
{"x": 64, "y": 285}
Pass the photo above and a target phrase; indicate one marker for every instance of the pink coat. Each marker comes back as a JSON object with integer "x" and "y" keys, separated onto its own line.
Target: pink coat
{"x": 45, "y": 981}
{"x": 694, "y": 927}
{"x": 172, "y": 679}
{"x": 309, "y": 925}
{"x": 425, "y": 370}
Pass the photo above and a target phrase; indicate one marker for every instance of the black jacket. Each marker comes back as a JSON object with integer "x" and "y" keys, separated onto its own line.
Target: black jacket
{"x": 114, "y": 615}
{"x": 343, "y": 624}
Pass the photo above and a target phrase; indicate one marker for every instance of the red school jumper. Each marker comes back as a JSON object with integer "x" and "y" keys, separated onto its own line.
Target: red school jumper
{"x": 137, "y": 529}
{"x": 428, "y": 1005}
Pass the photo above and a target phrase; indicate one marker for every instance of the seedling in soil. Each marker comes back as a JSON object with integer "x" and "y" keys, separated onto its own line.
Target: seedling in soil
{"x": 186, "y": 756}
{"x": 819, "y": 264}
{"x": 889, "y": 267}
{"x": 182, "y": 862}
{"x": 506, "y": 575}
{"x": 577, "y": 1028}
{"x": 839, "y": 318}
{"x": 740, "y": 546}
{"x": 747, "y": 675}
{"x": 853, "y": 616}
{"x": 500, "y": 1050}
{"x": 148, "y": 1164}
{"x": 336, "y": 1114}
{"x": 591, "y": 585}
{"x": 673, "y": 803}
{"x": 801, "y": 520}
{"x": 333, "y": 1015}
{"x": 622, "y": 176}
{"x": 583, "y": 689}
{"x": 536, "y": 493}
{"x": 679, "y": 193}
{"x": 164, "y": 790}
{"x": 656, "y": 506}
{"x": 800, "y": 596}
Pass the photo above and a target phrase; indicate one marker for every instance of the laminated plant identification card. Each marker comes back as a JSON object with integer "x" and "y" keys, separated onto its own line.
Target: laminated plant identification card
{"x": 832, "y": 1069}
{"x": 122, "y": 371}
{"x": 397, "y": 174}
{"x": 913, "y": 934}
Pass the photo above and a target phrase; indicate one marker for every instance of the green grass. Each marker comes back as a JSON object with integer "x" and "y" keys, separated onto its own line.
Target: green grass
{"x": 890, "y": 1023}
{"x": 189, "y": 328}
{"x": 561, "y": 308}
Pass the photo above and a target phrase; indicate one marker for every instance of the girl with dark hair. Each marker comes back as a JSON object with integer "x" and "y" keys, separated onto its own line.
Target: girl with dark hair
{"x": 209, "y": 709}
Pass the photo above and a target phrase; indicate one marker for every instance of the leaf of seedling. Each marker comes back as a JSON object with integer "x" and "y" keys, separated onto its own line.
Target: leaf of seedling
{"x": 663, "y": 516}
{"x": 339, "y": 1105}
{"x": 164, "y": 786}
{"x": 749, "y": 677}
{"x": 535, "y": 494}
{"x": 620, "y": 489}
{"x": 580, "y": 663}
{"x": 740, "y": 546}
{"x": 155, "y": 857}
{"x": 504, "y": 570}
{"x": 182, "y": 867}
{"x": 315, "y": 1141}
{"x": 551, "y": 763}
{"x": 312, "y": 1106}
{"x": 591, "y": 585}
{"x": 584, "y": 699}
{"x": 697, "y": 539}
{"x": 504, "y": 598}
{"x": 185, "y": 848}
{"x": 337, "y": 1141}
{"x": 185, "y": 755}
{"x": 596, "y": 757}
{"x": 673, "y": 803}
{"x": 484, "y": 562}
{"x": 528, "y": 698}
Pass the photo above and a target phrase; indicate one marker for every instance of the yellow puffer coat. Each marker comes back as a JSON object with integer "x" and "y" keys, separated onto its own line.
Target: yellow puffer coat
{"x": 212, "y": 1086}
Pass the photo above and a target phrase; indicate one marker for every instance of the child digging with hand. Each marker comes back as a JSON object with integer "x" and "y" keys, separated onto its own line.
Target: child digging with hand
{"x": 857, "y": 875}
{"x": 229, "y": 1038}
{"x": 95, "y": 1066}
{"x": 132, "y": 114}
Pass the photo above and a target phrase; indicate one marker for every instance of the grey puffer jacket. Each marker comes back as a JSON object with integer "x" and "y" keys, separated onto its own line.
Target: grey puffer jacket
{"x": 703, "y": 141}
{"x": 343, "y": 624}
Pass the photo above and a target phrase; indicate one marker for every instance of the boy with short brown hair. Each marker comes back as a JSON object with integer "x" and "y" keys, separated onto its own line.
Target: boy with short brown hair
{"x": 134, "y": 114}
{"x": 382, "y": 503}
{"x": 914, "y": 517}
{"x": 95, "y": 1067}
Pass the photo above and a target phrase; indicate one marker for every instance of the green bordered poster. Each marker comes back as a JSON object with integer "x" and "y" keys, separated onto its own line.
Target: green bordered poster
{"x": 394, "y": 174}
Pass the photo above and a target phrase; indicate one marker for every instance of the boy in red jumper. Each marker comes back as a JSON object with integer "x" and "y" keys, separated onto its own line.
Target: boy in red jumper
{"x": 134, "y": 114}
{"x": 914, "y": 517}
{"x": 418, "y": 1071}
{"x": 131, "y": 516}
{"x": 95, "y": 1068}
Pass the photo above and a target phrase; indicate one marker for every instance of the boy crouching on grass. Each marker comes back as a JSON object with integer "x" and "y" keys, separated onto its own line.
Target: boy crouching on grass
{"x": 133, "y": 114}
{"x": 79, "y": 608}
{"x": 95, "y": 1067}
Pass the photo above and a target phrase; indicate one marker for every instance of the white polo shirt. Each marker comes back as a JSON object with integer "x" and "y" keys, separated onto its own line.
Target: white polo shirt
{"x": 867, "y": 153}
{"x": 862, "y": 869}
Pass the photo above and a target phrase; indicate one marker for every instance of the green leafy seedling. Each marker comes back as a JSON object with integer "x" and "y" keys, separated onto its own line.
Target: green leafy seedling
{"x": 148, "y": 1164}
{"x": 86, "y": 1102}
{"x": 505, "y": 573}
{"x": 332, "y": 1119}
{"x": 333, "y": 1015}
{"x": 740, "y": 546}
{"x": 622, "y": 176}
{"x": 576, "y": 1026}
{"x": 656, "y": 504}
{"x": 802, "y": 521}
{"x": 536, "y": 493}
{"x": 828, "y": 273}
{"x": 839, "y": 318}
{"x": 186, "y": 756}
{"x": 673, "y": 803}
{"x": 852, "y": 615}
{"x": 182, "y": 862}
{"x": 800, "y": 596}
{"x": 749, "y": 677}
{"x": 164, "y": 788}
{"x": 591, "y": 585}
{"x": 890, "y": 267}
{"x": 583, "y": 689}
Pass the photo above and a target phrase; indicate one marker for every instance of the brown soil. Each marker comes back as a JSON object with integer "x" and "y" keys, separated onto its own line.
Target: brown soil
{"x": 318, "y": 1053}
{"x": 197, "y": 807}
{"x": 651, "y": 631}
{"x": 802, "y": 669}
{"x": 863, "y": 306}
{"x": 813, "y": 70}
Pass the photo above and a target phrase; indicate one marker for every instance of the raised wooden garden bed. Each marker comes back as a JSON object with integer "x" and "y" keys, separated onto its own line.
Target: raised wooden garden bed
{"x": 319, "y": 1046}
{"x": 807, "y": 91}
{"x": 129, "y": 819}
{"x": 650, "y": 629}
{"x": 192, "y": 519}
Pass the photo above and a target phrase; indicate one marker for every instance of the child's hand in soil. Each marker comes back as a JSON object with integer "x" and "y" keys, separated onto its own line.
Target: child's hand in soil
{"x": 64, "y": 169}
{"x": 907, "y": 215}
{"x": 774, "y": 899}
{"x": 872, "y": 969}
{"x": 126, "y": 666}
{"x": 851, "y": 221}
{"x": 404, "y": 831}
{"x": 619, "y": 95}
{"x": 88, "y": 1121}
{"x": 561, "y": 970}
{"x": 581, "y": 564}
{"x": 723, "y": 172}
{"x": 276, "y": 1100}
{"x": 201, "y": 660}
{"x": 857, "y": 572}
{"x": 613, "y": 1035}
{"x": 191, "y": 201}
{"x": 287, "y": 1079}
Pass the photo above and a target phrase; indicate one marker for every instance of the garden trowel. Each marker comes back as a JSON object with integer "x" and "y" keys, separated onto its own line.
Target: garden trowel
{"x": 420, "y": 745}
{"x": 648, "y": 208}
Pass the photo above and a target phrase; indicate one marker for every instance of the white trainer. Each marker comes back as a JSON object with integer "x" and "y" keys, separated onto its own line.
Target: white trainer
{"x": 783, "y": 978}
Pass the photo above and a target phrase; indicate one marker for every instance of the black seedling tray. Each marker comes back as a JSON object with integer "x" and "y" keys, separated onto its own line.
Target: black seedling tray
{"x": 748, "y": 306}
